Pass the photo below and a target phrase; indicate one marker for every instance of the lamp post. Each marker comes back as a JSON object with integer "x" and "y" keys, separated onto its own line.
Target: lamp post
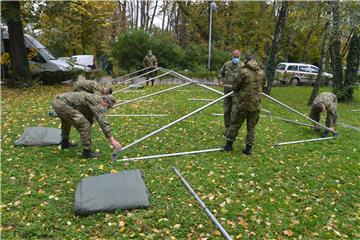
{"x": 212, "y": 8}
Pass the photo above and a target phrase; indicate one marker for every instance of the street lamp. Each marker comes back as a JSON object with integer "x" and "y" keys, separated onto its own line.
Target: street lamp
{"x": 212, "y": 8}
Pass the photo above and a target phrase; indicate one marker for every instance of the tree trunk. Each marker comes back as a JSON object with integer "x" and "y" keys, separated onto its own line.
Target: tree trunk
{"x": 353, "y": 61}
{"x": 306, "y": 44}
{"x": 164, "y": 9}
{"x": 137, "y": 15}
{"x": 336, "y": 48}
{"x": 21, "y": 76}
{"x": 153, "y": 15}
{"x": 271, "y": 64}
{"x": 324, "y": 49}
{"x": 289, "y": 43}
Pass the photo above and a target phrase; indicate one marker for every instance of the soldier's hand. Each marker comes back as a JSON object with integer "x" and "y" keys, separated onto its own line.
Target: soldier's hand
{"x": 332, "y": 130}
{"x": 115, "y": 144}
{"x": 221, "y": 83}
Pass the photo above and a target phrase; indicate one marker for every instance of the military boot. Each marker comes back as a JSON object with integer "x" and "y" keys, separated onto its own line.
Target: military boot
{"x": 325, "y": 134}
{"x": 228, "y": 147}
{"x": 247, "y": 150}
{"x": 66, "y": 144}
{"x": 90, "y": 154}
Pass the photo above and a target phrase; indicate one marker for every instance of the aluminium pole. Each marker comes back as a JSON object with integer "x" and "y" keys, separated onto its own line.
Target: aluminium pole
{"x": 356, "y": 110}
{"x": 203, "y": 206}
{"x": 349, "y": 126}
{"x": 303, "y": 141}
{"x": 117, "y": 152}
{"x": 290, "y": 121}
{"x": 139, "y": 76}
{"x": 297, "y": 112}
{"x": 151, "y": 94}
{"x": 171, "y": 155}
{"x": 137, "y": 115}
{"x": 129, "y": 74}
{"x": 147, "y": 80}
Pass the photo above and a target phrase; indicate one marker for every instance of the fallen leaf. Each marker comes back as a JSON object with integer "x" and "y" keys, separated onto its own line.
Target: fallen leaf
{"x": 288, "y": 233}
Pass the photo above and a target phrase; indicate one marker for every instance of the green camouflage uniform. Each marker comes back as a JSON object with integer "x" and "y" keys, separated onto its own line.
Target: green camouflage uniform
{"x": 89, "y": 86}
{"x": 79, "y": 109}
{"x": 330, "y": 101}
{"x": 150, "y": 61}
{"x": 227, "y": 74}
{"x": 247, "y": 87}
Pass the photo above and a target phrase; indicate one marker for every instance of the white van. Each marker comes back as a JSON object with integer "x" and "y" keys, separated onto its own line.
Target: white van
{"x": 298, "y": 73}
{"x": 41, "y": 59}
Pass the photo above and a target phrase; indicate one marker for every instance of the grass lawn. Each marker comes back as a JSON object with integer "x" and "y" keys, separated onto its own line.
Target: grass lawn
{"x": 303, "y": 191}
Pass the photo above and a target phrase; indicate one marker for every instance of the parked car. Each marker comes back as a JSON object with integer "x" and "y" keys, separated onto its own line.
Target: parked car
{"x": 299, "y": 73}
{"x": 43, "y": 64}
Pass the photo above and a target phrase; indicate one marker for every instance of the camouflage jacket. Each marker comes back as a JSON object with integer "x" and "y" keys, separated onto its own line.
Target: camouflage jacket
{"x": 150, "y": 61}
{"x": 90, "y": 106}
{"x": 248, "y": 86}
{"x": 89, "y": 86}
{"x": 330, "y": 101}
{"x": 229, "y": 71}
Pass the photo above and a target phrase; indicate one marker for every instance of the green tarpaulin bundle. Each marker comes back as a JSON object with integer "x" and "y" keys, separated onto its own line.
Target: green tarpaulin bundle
{"x": 108, "y": 192}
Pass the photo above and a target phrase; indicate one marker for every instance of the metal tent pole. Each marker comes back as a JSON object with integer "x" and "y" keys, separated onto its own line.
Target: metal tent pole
{"x": 151, "y": 94}
{"x": 148, "y": 80}
{"x": 356, "y": 110}
{"x": 129, "y": 74}
{"x": 303, "y": 141}
{"x": 349, "y": 126}
{"x": 291, "y": 121}
{"x": 117, "y": 152}
{"x": 171, "y": 155}
{"x": 139, "y": 76}
{"x": 203, "y": 206}
{"x": 200, "y": 99}
{"x": 137, "y": 115}
{"x": 295, "y": 111}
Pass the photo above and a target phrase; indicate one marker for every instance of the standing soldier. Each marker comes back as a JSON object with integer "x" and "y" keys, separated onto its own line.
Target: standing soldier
{"x": 91, "y": 86}
{"x": 79, "y": 109}
{"x": 325, "y": 102}
{"x": 247, "y": 86}
{"x": 150, "y": 61}
{"x": 226, "y": 77}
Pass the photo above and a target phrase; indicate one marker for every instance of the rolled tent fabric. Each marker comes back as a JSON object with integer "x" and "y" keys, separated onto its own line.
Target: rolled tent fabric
{"x": 39, "y": 136}
{"x": 108, "y": 192}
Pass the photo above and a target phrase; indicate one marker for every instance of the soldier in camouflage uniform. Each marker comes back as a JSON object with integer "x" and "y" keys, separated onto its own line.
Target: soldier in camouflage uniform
{"x": 247, "y": 87}
{"x": 91, "y": 86}
{"x": 325, "y": 102}
{"x": 226, "y": 76}
{"x": 78, "y": 109}
{"x": 150, "y": 61}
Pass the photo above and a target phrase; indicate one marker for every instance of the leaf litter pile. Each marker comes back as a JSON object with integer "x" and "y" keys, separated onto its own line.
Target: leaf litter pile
{"x": 303, "y": 191}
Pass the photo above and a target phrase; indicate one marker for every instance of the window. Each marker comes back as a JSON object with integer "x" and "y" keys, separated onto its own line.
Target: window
{"x": 304, "y": 69}
{"x": 314, "y": 69}
{"x": 281, "y": 67}
{"x": 292, "y": 68}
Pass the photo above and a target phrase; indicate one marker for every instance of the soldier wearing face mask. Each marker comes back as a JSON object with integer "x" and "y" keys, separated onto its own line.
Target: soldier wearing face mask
{"x": 150, "y": 61}
{"x": 227, "y": 74}
{"x": 79, "y": 109}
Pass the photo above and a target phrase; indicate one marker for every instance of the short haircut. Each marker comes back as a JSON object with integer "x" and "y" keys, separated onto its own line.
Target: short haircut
{"x": 110, "y": 91}
{"x": 316, "y": 109}
{"x": 249, "y": 57}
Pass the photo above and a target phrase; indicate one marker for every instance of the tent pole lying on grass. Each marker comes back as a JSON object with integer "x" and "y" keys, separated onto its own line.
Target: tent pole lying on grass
{"x": 171, "y": 155}
{"x": 303, "y": 141}
{"x": 117, "y": 152}
{"x": 295, "y": 111}
{"x": 129, "y": 74}
{"x": 349, "y": 126}
{"x": 129, "y": 80}
{"x": 200, "y": 99}
{"x": 203, "y": 206}
{"x": 356, "y": 110}
{"x": 137, "y": 115}
{"x": 291, "y": 121}
{"x": 147, "y": 80}
{"x": 151, "y": 94}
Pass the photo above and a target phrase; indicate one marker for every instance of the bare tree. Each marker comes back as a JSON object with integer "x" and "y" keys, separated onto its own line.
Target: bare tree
{"x": 153, "y": 15}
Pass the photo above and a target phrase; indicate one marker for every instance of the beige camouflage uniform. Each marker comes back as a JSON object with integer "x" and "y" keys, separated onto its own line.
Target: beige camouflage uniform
{"x": 330, "y": 101}
{"x": 89, "y": 86}
{"x": 79, "y": 109}
{"x": 150, "y": 61}
{"x": 247, "y": 87}
{"x": 227, "y": 74}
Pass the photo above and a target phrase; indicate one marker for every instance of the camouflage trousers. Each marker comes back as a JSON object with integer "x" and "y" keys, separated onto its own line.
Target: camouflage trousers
{"x": 151, "y": 75}
{"x": 228, "y": 103}
{"x": 237, "y": 119}
{"x": 69, "y": 116}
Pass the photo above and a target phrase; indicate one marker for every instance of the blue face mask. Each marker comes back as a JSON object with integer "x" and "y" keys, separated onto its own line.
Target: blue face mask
{"x": 235, "y": 60}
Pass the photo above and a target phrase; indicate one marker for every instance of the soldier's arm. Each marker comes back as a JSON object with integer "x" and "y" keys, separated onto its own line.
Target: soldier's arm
{"x": 144, "y": 61}
{"x": 101, "y": 119}
{"x": 221, "y": 74}
{"x": 155, "y": 62}
{"x": 97, "y": 88}
{"x": 238, "y": 81}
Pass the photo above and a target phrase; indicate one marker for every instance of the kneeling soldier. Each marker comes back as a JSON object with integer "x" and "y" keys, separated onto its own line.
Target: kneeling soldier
{"x": 78, "y": 109}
